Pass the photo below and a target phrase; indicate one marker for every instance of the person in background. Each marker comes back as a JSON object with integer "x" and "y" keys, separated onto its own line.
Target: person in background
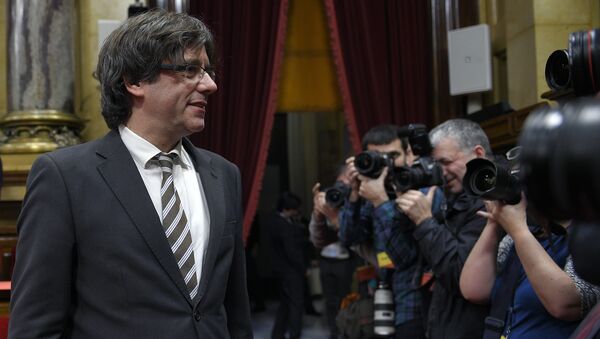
{"x": 367, "y": 213}
{"x": 288, "y": 241}
{"x": 336, "y": 262}
{"x": 445, "y": 239}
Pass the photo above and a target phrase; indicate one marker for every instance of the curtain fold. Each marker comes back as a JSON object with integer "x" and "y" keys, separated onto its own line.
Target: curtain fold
{"x": 250, "y": 38}
{"x": 381, "y": 52}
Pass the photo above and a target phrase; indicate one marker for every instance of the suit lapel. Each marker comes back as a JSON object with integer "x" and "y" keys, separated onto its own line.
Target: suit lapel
{"x": 215, "y": 200}
{"x": 122, "y": 176}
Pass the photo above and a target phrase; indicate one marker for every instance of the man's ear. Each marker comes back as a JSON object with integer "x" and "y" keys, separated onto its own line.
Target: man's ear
{"x": 479, "y": 151}
{"x": 135, "y": 89}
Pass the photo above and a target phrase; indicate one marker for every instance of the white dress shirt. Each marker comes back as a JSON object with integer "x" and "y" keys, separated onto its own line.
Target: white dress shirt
{"x": 187, "y": 184}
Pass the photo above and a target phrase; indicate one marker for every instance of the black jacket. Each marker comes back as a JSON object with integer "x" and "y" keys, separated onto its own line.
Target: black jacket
{"x": 445, "y": 241}
{"x": 288, "y": 241}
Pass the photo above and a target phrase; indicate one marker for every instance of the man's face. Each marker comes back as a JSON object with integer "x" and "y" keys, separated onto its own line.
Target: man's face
{"x": 394, "y": 149}
{"x": 453, "y": 161}
{"x": 177, "y": 103}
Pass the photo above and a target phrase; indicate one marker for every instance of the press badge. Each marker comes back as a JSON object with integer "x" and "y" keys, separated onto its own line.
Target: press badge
{"x": 384, "y": 261}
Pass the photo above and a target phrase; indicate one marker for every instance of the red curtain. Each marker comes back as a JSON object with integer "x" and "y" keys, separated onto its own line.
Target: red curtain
{"x": 381, "y": 50}
{"x": 250, "y": 38}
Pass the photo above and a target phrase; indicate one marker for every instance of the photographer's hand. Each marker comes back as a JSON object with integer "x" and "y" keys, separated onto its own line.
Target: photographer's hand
{"x": 512, "y": 218}
{"x": 554, "y": 287}
{"x": 373, "y": 189}
{"x": 354, "y": 182}
{"x": 321, "y": 209}
{"x": 416, "y": 205}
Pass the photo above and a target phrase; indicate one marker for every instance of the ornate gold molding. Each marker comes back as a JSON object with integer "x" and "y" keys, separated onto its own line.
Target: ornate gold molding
{"x": 38, "y": 131}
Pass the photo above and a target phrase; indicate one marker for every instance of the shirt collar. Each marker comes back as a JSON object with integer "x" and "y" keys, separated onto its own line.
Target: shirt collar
{"x": 143, "y": 151}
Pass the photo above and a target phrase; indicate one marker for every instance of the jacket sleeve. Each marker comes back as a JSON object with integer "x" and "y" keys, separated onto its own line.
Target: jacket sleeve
{"x": 446, "y": 251}
{"x": 236, "y": 302}
{"x": 45, "y": 255}
{"x": 356, "y": 223}
{"x": 321, "y": 234}
{"x": 392, "y": 228}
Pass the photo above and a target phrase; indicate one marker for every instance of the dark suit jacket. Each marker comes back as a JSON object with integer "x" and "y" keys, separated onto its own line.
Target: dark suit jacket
{"x": 93, "y": 260}
{"x": 288, "y": 241}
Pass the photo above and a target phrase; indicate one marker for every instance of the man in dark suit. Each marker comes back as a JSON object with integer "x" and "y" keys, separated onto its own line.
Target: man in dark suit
{"x": 288, "y": 239}
{"x": 137, "y": 234}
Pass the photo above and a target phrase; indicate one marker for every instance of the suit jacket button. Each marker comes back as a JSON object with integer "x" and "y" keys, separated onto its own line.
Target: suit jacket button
{"x": 197, "y": 315}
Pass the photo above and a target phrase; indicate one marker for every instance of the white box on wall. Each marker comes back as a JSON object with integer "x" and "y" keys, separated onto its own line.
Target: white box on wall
{"x": 105, "y": 27}
{"x": 469, "y": 60}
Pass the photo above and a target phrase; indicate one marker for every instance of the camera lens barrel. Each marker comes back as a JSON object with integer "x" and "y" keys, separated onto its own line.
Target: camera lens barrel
{"x": 578, "y": 67}
{"x": 559, "y": 161}
{"x": 487, "y": 180}
{"x": 370, "y": 163}
{"x": 558, "y": 70}
{"x": 335, "y": 196}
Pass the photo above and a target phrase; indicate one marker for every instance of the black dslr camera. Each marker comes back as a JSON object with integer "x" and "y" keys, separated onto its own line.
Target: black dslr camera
{"x": 577, "y": 68}
{"x": 425, "y": 171}
{"x": 372, "y": 163}
{"x": 494, "y": 180}
{"x": 337, "y": 194}
{"x": 559, "y": 166}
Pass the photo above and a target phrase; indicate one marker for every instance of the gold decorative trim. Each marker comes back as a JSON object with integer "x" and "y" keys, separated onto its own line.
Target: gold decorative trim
{"x": 38, "y": 131}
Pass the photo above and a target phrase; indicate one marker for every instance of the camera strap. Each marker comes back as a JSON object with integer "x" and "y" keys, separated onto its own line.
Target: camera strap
{"x": 502, "y": 301}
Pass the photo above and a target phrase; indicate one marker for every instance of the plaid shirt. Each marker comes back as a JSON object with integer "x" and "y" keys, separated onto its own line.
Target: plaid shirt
{"x": 362, "y": 223}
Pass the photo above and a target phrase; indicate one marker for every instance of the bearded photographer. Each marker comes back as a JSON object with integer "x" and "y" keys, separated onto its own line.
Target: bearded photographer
{"x": 446, "y": 238}
{"x": 368, "y": 211}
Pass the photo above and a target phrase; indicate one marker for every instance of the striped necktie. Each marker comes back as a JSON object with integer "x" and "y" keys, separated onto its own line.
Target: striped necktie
{"x": 175, "y": 224}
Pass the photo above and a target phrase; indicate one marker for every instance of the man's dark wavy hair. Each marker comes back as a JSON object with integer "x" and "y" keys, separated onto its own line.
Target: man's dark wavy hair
{"x": 134, "y": 52}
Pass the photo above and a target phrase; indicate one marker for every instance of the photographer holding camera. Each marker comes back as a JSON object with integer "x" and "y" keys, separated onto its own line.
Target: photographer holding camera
{"x": 535, "y": 290}
{"x": 368, "y": 211}
{"x": 446, "y": 238}
{"x": 336, "y": 262}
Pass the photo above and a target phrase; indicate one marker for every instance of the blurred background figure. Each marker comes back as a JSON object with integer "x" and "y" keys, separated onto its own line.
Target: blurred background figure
{"x": 336, "y": 262}
{"x": 288, "y": 241}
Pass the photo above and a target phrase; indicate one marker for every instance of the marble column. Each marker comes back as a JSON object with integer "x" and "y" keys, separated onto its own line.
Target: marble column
{"x": 179, "y": 6}
{"x": 41, "y": 73}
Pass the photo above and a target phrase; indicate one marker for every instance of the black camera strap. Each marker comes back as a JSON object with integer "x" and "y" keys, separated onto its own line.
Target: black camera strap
{"x": 502, "y": 302}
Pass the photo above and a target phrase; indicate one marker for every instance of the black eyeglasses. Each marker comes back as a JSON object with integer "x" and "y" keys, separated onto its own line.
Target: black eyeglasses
{"x": 190, "y": 71}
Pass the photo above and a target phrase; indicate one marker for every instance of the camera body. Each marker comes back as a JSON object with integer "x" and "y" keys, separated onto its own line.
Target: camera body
{"x": 425, "y": 171}
{"x": 336, "y": 195}
{"x": 372, "y": 163}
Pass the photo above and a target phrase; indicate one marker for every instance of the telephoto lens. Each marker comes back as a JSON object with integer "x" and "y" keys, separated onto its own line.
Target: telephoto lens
{"x": 383, "y": 305}
{"x": 491, "y": 182}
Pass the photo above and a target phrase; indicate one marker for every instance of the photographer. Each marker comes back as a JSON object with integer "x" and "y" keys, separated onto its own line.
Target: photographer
{"x": 446, "y": 238}
{"x": 534, "y": 292}
{"x": 369, "y": 210}
{"x": 336, "y": 263}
